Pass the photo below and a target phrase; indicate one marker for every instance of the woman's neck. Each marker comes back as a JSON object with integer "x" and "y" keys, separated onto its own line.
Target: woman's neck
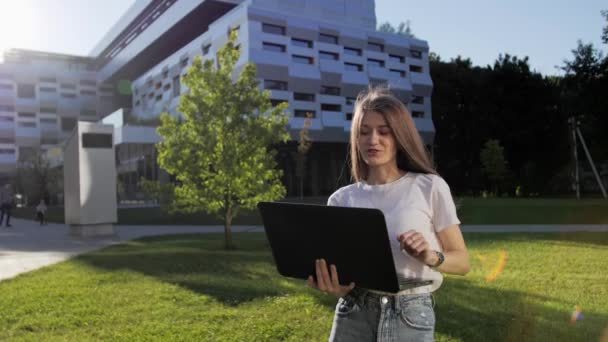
{"x": 383, "y": 175}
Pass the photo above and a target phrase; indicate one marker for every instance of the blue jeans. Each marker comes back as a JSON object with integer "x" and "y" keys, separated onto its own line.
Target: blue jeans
{"x": 366, "y": 316}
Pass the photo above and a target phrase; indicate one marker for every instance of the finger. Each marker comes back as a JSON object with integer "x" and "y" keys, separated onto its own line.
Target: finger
{"x": 420, "y": 248}
{"x": 325, "y": 274}
{"x": 334, "y": 276}
{"x": 311, "y": 282}
{"x": 351, "y": 286}
{"x": 406, "y": 235}
{"x": 320, "y": 280}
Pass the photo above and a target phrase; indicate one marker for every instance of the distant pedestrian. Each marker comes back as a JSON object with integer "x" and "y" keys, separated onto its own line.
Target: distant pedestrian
{"x": 41, "y": 212}
{"x": 6, "y": 204}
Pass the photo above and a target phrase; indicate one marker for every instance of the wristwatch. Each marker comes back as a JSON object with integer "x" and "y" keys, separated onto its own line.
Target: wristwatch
{"x": 440, "y": 259}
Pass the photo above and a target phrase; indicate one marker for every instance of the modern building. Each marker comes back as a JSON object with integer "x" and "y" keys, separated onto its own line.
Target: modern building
{"x": 315, "y": 54}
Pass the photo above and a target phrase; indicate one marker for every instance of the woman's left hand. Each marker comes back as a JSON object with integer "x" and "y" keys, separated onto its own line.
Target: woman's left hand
{"x": 416, "y": 245}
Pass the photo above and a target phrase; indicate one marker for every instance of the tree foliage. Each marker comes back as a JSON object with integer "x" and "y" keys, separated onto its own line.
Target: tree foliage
{"x": 221, "y": 153}
{"x": 36, "y": 179}
{"x": 403, "y": 28}
{"x": 493, "y": 163}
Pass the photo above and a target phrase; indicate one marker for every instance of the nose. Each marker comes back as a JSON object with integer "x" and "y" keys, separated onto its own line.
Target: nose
{"x": 374, "y": 137}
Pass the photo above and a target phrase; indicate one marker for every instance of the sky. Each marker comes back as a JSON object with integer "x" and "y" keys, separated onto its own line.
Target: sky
{"x": 544, "y": 30}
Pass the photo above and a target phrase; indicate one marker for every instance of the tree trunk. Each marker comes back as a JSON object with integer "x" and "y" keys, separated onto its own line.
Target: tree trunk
{"x": 227, "y": 229}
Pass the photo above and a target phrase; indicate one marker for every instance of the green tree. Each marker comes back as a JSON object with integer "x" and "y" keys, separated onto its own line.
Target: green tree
{"x": 493, "y": 163}
{"x": 403, "y": 28}
{"x": 221, "y": 153}
{"x": 605, "y": 29}
{"x": 36, "y": 179}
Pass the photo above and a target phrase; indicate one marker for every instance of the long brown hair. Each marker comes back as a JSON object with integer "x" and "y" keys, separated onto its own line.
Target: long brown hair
{"x": 411, "y": 153}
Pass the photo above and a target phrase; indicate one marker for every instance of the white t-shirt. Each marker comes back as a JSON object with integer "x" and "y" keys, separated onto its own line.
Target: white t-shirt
{"x": 418, "y": 201}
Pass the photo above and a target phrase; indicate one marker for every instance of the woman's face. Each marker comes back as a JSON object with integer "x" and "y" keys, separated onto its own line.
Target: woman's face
{"x": 376, "y": 141}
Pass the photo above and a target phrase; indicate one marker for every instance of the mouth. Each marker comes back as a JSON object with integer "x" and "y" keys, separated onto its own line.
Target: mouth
{"x": 373, "y": 152}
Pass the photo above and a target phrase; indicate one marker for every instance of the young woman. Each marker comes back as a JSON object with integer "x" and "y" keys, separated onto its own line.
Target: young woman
{"x": 394, "y": 174}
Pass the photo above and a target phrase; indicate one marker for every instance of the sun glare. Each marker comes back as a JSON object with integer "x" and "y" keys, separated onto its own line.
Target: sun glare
{"x": 17, "y": 26}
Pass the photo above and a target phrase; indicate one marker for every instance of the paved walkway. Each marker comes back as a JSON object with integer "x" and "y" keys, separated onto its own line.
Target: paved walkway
{"x": 27, "y": 246}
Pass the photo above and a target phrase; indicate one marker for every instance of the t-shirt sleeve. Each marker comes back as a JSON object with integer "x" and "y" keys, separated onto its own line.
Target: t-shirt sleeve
{"x": 444, "y": 209}
{"x": 333, "y": 200}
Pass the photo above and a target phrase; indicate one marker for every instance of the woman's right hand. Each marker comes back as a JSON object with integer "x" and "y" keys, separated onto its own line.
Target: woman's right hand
{"x": 327, "y": 282}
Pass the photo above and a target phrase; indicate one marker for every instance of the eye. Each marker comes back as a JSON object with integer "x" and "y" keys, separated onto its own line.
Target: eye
{"x": 364, "y": 133}
{"x": 385, "y": 131}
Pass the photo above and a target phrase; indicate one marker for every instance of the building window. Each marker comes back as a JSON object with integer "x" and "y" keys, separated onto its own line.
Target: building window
{"x": 416, "y": 54}
{"x": 415, "y": 68}
{"x": 159, "y": 97}
{"x": 68, "y": 96}
{"x": 328, "y": 55}
{"x": 184, "y": 62}
{"x": 88, "y": 92}
{"x": 275, "y": 103}
{"x": 418, "y": 99}
{"x": 48, "y": 120}
{"x": 206, "y": 49}
{"x": 273, "y": 47}
{"x": 7, "y": 151}
{"x": 331, "y": 107}
{"x": 300, "y": 113}
{"x": 67, "y": 124}
{"x": 276, "y": 85}
{"x": 301, "y": 42}
{"x": 352, "y": 51}
{"x": 176, "y": 86}
{"x": 48, "y": 140}
{"x": 273, "y": 29}
{"x": 166, "y": 87}
{"x": 398, "y": 73}
{"x": 330, "y": 90}
{"x": 349, "y": 116}
{"x": 6, "y": 87}
{"x": 6, "y": 119}
{"x": 375, "y": 63}
{"x": 48, "y": 110}
{"x": 26, "y": 91}
{"x": 88, "y": 112}
{"x": 353, "y": 67}
{"x": 375, "y": 47}
{"x": 48, "y": 90}
{"x": 88, "y": 83}
{"x": 7, "y": 140}
{"x": 157, "y": 85}
{"x": 165, "y": 73}
{"x": 237, "y": 29}
{"x": 68, "y": 86}
{"x": 48, "y": 79}
{"x": 7, "y": 108}
{"x": 26, "y": 124}
{"x": 304, "y": 97}
{"x": 350, "y": 101}
{"x": 302, "y": 59}
{"x": 396, "y": 58}
{"x": 328, "y": 38}
{"x": 26, "y": 115}
{"x": 418, "y": 114}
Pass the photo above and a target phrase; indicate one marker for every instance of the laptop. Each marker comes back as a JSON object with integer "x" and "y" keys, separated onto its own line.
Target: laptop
{"x": 354, "y": 239}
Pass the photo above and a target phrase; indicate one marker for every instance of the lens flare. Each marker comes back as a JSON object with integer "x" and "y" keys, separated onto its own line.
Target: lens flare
{"x": 498, "y": 268}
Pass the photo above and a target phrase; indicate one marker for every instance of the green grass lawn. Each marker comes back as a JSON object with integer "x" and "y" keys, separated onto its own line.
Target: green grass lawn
{"x": 187, "y": 288}
{"x": 470, "y": 211}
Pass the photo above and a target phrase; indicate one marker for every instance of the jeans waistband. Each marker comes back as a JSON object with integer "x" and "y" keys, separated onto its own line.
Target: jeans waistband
{"x": 366, "y": 297}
